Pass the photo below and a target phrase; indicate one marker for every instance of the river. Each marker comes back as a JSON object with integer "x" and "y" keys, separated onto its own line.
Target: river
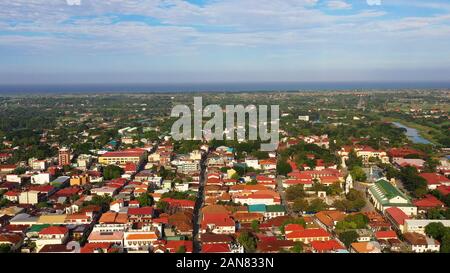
{"x": 412, "y": 134}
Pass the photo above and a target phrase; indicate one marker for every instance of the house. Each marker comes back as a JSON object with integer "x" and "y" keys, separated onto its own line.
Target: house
{"x": 420, "y": 243}
{"x": 115, "y": 237}
{"x": 104, "y": 191}
{"x": 435, "y": 180}
{"x": 385, "y": 235}
{"x": 427, "y": 203}
{"x": 56, "y": 248}
{"x": 180, "y": 203}
{"x": 212, "y": 238}
{"x": 98, "y": 248}
{"x": 181, "y": 222}
{"x": 404, "y": 162}
{"x": 78, "y": 219}
{"x": 30, "y": 197}
{"x": 112, "y": 221}
{"x": 12, "y": 196}
{"x": 273, "y": 211}
{"x": 365, "y": 247}
{"x": 330, "y": 246}
{"x": 79, "y": 180}
{"x": 397, "y": 217}
{"x": 384, "y": 195}
{"x": 219, "y": 223}
{"x": 274, "y": 246}
{"x": 139, "y": 241}
{"x": 268, "y": 164}
{"x": 52, "y": 235}
{"x": 144, "y": 214}
{"x": 216, "y": 248}
{"x": 328, "y": 219}
{"x": 252, "y": 162}
{"x": 40, "y": 178}
{"x": 116, "y": 205}
{"x": 13, "y": 240}
{"x": 289, "y": 228}
{"x": 364, "y": 235}
{"x": 308, "y": 235}
{"x": 266, "y": 197}
{"x": 177, "y": 246}
{"x": 266, "y": 181}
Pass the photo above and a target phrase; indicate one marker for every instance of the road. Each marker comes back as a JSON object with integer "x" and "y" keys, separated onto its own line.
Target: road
{"x": 199, "y": 204}
{"x": 282, "y": 193}
{"x": 362, "y": 187}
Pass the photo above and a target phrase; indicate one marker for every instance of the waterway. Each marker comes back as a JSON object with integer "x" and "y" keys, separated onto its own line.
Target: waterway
{"x": 412, "y": 134}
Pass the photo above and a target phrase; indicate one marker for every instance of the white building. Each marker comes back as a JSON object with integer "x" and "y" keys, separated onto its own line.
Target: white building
{"x": 418, "y": 225}
{"x": 40, "y": 178}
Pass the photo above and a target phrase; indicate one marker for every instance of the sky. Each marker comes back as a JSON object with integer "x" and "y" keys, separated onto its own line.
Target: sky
{"x": 175, "y": 41}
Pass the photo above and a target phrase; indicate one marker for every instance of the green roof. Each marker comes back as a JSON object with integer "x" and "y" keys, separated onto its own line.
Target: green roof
{"x": 384, "y": 191}
{"x": 275, "y": 208}
{"x": 257, "y": 208}
{"x": 38, "y": 228}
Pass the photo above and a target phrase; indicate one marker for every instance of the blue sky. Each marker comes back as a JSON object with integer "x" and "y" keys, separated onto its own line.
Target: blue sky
{"x": 157, "y": 41}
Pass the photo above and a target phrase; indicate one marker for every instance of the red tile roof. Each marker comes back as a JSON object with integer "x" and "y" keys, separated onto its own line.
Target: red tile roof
{"x": 53, "y": 230}
{"x": 308, "y": 233}
{"x": 321, "y": 246}
{"x": 434, "y": 178}
{"x": 141, "y": 211}
{"x": 216, "y": 248}
{"x": 445, "y": 190}
{"x": 429, "y": 201}
{"x": 388, "y": 234}
{"x": 397, "y": 215}
{"x": 173, "y": 246}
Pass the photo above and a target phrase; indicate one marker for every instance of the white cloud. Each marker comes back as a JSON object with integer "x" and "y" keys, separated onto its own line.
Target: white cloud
{"x": 73, "y": 2}
{"x": 338, "y": 5}
{"x": 374, "y": 2}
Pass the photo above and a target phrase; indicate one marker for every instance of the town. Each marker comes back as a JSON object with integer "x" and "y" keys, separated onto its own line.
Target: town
{"x": 354, "y": 172}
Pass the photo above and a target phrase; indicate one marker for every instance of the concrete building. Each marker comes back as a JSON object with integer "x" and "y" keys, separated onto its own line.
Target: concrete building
{"x": 64, "y": 157}
{"x": 384, "y": 195}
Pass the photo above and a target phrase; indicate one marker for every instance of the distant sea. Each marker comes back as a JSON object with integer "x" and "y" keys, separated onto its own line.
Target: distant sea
{"x": 214, "y": 87}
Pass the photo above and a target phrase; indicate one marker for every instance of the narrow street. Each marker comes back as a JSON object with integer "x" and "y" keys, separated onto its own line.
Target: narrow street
{"x": 282, "y": 193}
{"x": 199, "y": 204}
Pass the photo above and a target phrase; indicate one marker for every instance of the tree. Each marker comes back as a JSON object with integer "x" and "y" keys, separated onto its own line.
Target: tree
{"x": 4, "y": 202}
{"x": 300, "y": 205}
{"x": 317, "y": 205}
{"x": 162, "y": 206}
{"x": 112, "y": 172}
{"x": 348, "y": 237}
{"x": 283, "y": 168}
{"x": 145, "y": 200}
{"x": 5, "y": 248}
{"x": 353, "y": 160}
{"x": 358, "y": 174}
{"x": 248, "y": 241}
{"x": 298, "y": 247}
{"x": 255, "y": 225}
{"x": 435, "y": 230}
{"x": 181, "y": 249}
{"x": 294, "y": 192}
{"x": 101, "y": 201}
{"x": 353, "y": 221}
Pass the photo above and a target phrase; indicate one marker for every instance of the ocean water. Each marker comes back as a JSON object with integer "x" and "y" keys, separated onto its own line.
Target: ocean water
{"x": 216, "y": 87}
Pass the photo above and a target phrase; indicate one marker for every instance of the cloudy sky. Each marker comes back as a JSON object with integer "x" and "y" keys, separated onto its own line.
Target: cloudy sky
{"x": 157, "y": 41}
